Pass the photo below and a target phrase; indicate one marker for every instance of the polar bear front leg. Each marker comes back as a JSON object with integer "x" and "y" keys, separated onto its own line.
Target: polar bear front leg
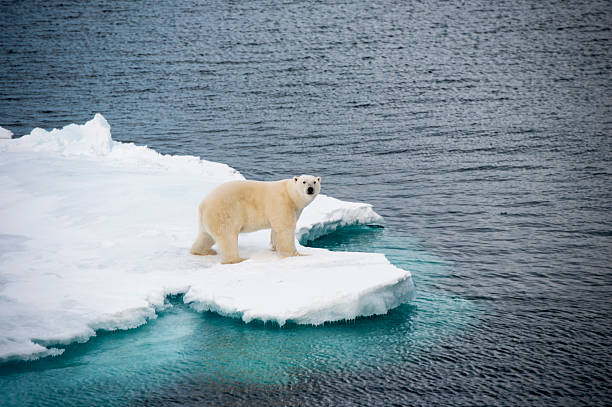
{"x": 228, "y": 244}
{"x": 285, "y": 242}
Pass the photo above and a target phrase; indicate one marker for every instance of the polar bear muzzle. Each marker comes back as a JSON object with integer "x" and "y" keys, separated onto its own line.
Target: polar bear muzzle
{"x": 308, "y": 185}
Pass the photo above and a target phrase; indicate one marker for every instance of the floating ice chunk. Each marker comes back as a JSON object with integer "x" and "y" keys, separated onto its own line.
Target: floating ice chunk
{"x": 327, "y": 214}
{"x": 24, "y": 350}
{"x": 95, "y": 234}
{"x": 5, "y": 133}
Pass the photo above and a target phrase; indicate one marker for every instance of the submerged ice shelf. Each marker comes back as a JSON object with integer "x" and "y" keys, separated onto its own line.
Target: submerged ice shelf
{"x": 94, "y": 234}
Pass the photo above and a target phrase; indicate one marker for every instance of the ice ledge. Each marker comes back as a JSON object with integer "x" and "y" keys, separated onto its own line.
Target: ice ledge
{"x": 320, "y": 287}
{"x": 326, "y": 214}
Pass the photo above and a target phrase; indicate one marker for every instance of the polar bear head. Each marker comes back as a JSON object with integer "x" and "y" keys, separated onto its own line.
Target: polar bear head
{"x": 307, "y": 187}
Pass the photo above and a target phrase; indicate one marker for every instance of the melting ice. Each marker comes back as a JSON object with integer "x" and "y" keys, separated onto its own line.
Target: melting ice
{"x": 95, "y": 234}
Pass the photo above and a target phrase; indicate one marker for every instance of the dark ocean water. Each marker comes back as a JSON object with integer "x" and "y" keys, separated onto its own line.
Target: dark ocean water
{"x": 481, "y": 131}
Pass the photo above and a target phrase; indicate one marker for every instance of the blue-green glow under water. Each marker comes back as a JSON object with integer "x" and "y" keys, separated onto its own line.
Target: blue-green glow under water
{"x": 182, "y": 346}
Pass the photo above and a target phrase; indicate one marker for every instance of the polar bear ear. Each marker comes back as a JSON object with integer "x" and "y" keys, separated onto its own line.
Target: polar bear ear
{"x": 319, "y": 179}
{"x": 295, "y": 179}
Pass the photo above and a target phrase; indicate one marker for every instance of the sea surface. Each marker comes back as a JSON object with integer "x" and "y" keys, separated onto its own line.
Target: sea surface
{"x": 481, "y": 131}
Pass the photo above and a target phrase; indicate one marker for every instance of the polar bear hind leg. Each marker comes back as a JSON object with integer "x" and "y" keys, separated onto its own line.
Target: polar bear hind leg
{"x": 202, "y": 245}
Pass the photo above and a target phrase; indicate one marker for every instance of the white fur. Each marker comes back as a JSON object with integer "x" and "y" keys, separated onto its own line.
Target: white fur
{"x": 246, "y": 206}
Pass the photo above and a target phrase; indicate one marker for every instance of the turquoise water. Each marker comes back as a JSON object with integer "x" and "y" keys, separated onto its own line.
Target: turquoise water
{"x": 183, "y": 348}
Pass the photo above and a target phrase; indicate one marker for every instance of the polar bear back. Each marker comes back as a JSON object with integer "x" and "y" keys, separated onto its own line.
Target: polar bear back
{"x": 246, "y": 206}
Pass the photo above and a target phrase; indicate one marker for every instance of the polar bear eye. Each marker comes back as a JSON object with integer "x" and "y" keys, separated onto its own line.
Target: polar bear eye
{"x": 303, "y": 182}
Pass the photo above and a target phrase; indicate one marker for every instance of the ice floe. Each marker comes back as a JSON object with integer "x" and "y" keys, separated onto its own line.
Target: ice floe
{"x": 95, "y": 234}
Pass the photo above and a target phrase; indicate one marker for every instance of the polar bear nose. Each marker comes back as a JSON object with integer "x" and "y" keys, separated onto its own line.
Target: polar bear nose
{"x": 310, "y": 190}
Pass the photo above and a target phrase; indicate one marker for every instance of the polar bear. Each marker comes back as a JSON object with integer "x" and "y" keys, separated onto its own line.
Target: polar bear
{"x": 246, "y": 206}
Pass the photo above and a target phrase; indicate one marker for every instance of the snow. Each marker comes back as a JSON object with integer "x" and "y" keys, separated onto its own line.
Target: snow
{"x": 5, "y": 133}
{"x": 95, "y": 234}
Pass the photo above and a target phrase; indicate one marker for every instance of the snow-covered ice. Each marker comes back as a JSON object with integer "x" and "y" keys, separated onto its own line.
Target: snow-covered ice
{"x": 5, "y": 133}
{"x": 95, "y": 234}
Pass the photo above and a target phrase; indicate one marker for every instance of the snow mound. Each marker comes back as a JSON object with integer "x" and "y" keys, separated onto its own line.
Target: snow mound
{"x": 93, "y": 140}
{"x": 5, "y": 133}
{"x": 95, "y": 234}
